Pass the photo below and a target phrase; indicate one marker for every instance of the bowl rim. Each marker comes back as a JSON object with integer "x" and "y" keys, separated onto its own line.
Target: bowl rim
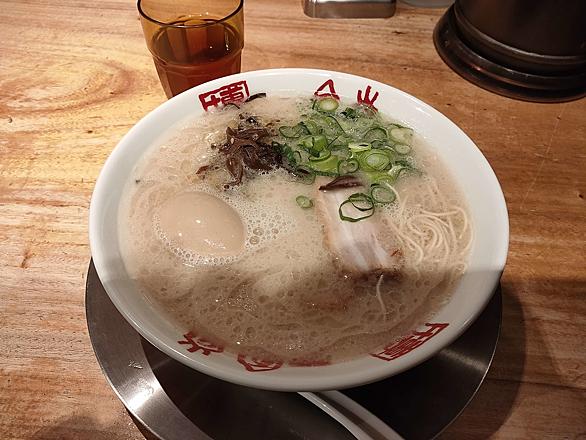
{"x": 278, "y": 379}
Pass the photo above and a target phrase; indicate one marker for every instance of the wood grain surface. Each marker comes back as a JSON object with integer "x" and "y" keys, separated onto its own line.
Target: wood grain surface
{"x": 76, "y": 75}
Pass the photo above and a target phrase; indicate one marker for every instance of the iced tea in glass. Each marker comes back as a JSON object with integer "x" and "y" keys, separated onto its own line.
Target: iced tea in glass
{"x": 193, "y": 41}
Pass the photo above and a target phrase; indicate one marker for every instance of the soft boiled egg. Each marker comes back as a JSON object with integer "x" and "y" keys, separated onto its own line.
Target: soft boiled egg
{"x": 202, "y": 223}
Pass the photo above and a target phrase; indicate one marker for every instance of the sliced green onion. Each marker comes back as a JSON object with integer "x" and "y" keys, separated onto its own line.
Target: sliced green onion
{"x": 294, "y": 131}
{"x": 402, "y": 135}
{"x": 350, "y": 113}
{"x": 321, "y": 155}
{"x": 402, "y": 148}
{"x": 348, "y": 166}
{"x": 389, "y": 152}
{"x": 382, "y": 193}
{"x": 334, "y": 125}
{"x": 396, "y": 170}
{"x": 405, "y": 163}
{"x": 357, "y": 147}
{"x": 296, "y": 156}
{"x": 340, "y": 142}
{"x": 328, "y": 167}
{"x": 314, "y": 143}
{"x": 376, "y": 160}
{"x": 362, "y": 124}
{"x": 408, "y": 165}
{"x": 304, "y": 202}
{"x": 377, "y": 143}
{"x": 342, "y": 152}
{"x": 319, "y": 142}
{"x": 327, "y": 124}
{"x": 359, "y": 201}
{"x": 375, "y": 134}
{"x": 290, "y": 155}
{"x": 327, "y": 105}
{"x": 311, "y": 127}
{"x": 332, "y": 143}
{"x": 382, "y": 178}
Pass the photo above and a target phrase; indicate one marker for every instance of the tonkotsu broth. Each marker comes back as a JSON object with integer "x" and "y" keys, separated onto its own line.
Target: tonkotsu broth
{"x": 266, "y": 283}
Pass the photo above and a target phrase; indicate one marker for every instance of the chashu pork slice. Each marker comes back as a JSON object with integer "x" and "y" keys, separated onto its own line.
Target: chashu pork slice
{"x": 359, "y": 246}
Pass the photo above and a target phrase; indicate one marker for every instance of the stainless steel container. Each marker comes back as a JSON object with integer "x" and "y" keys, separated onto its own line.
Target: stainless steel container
{"x": 349, "y": 8}
{"x": 527, "y": 49}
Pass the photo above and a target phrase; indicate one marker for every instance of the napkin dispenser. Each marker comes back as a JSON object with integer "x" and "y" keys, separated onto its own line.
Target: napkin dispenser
{"x": 349, "y": 8}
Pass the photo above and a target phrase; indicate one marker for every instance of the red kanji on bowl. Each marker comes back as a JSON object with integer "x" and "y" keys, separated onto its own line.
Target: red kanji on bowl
{"x": 202, "y": 344}
{"x": 409, "y": 343}
{"x": 327, "y": 89}
{"x": 253, "y": 364}
{"x": 236, "y": 92}
{"x": 365, "y": 98}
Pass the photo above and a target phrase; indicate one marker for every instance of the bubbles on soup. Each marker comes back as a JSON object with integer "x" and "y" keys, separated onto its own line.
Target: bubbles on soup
{"x": 247, "y": 268}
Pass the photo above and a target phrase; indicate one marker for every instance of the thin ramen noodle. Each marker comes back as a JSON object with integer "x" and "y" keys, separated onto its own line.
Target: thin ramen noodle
{"x": 267, "y": 266}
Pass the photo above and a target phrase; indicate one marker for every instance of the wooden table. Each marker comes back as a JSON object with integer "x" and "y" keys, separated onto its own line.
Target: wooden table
{"x": 76, "y": 75}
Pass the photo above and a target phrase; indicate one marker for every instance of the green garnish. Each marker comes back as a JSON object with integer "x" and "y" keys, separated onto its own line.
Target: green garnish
{"x": 382, "y": 193}
{"x": 383, "y": 178}
{"x": 395, "y": 171}
{"x": 357, "y": 147}
{"x": 293, "y": 132}
{"x": 314, "y": 144}
{"x": 375, "y": 134}
{"x": 311, "y": 127}
{"x": 349, "y": 113}
{"x": 402, "y": 135}
{"x": 321, "y": 155}
{"x": 402, "y": 148}
{"x": 327, "y": 105}
{"x": 327, "y": 167}
{"x": 348, "y": 166}
{"x": 331, "y": 126}
{"x": 363, "y": 203}
{"x": 374, "y": 160}
{"x": 329, "y": 141}
{"x": 304, "y": 202}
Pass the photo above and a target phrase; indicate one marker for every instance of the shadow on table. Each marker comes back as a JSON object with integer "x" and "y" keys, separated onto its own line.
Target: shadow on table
{"x": 498, "y": 395}
{"x": 495, "y": 398}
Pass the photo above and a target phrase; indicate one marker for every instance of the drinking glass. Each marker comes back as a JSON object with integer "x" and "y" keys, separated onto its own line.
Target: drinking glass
{"x": 193, "y": 41}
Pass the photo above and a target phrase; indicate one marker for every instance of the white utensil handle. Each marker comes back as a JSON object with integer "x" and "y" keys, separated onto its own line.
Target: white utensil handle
{"x": 355, "y": 418}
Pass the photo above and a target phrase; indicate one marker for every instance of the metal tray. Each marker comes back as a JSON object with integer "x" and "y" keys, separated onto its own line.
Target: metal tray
{"x": 170, "y": 401}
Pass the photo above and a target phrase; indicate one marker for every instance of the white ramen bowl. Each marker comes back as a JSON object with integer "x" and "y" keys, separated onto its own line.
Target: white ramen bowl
{"x": 466, "y": 163}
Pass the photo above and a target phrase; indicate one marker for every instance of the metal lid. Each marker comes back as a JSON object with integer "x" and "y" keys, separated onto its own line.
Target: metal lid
{"x": 504, "y": 69}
